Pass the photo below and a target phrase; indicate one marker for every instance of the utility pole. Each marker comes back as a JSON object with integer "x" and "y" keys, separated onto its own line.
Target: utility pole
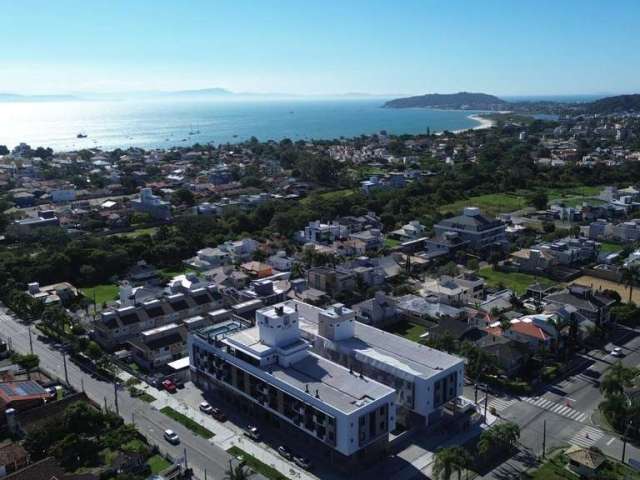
{"x": 115, "y": 393}
{"x": 105, "y": 403}
{"x": 186, "y": 465}
{"x": 30, "y": 341}
{"x": 486, "y": 404}
{"x": 66, "y": 373}
{"x": 205, "y": 474}
{"x": 82, "y": 384}
{"x": 544, "y": 438}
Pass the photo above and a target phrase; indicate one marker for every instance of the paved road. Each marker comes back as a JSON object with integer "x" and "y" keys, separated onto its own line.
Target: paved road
{"x": 201, "y": 454}
{"x": 567, "y": 410}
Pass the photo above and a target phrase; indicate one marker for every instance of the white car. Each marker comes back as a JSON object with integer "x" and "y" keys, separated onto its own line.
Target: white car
{"x": 206, "y": 408}
{"x": 171, "y": 437}
{"x": 617, "y": 352}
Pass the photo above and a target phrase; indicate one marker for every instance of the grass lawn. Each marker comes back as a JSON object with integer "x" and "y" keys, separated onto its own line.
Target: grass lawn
{"x": 491, "y": 204}
{"x": 192, "y": 425}
{"x": 332, "y": 195}
{"x": 518, "y": 282}
{"x": 391, "y": 242}
{"x": 554, "y": 469}
{"x": 408, "y": 330}
{"x": 138, "y": 232}
{"x": 174, "y": 272}
{"x": 255, "y": 464}
{"x": 608, "y": 247}
{"x": 158, "y": 463}
{"x": 103, "y": 293}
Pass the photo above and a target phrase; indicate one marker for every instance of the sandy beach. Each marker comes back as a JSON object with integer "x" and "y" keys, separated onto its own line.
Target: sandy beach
{"x": 484, "y": 122}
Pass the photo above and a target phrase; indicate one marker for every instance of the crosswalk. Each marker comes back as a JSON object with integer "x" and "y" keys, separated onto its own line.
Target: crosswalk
{"x": 587, "y": 437}
{"x": 557, "y": 408}
{"x": 501, "y": 404}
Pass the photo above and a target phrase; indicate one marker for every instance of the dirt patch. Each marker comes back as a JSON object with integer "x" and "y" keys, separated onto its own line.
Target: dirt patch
{"x": 600, "y": 284}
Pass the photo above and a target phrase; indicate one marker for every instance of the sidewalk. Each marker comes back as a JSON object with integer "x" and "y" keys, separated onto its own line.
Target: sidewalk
{"x": 226, "y": 435}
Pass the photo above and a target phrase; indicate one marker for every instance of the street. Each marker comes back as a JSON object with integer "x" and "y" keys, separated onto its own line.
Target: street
{"x": 566, "y": 412}
{"x": 201, "y": 454}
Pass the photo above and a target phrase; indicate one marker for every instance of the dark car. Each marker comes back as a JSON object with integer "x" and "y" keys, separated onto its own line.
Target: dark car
{"x": 218, "y": 414}
{"x": 285, "y": 452}
{"x": 302, "y": 462}
{"x": 253, "y": 433}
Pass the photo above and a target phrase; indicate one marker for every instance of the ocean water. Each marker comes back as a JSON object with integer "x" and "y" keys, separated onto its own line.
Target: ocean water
{"x": 180, "y": 122}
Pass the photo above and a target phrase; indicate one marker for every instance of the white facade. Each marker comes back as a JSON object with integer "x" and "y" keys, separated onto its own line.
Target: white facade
{"x": 271, "y": 366}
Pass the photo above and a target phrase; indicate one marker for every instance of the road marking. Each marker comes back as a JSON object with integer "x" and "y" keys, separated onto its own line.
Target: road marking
{"x": 610, "y": 441}
{"x": 587, "y": 437}
{"x": 559, "y": 408}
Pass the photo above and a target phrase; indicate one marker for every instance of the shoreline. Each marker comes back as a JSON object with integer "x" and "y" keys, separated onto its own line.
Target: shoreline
{"x": 483, "y": 122}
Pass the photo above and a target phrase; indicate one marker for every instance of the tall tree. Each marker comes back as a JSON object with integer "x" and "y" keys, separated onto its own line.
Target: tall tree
{"x": 450, "y": 460}
{"x": 630, "y": 277}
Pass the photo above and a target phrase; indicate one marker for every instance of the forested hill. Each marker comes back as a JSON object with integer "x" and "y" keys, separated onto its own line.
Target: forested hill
{"x": 617, "y": 104}
{"x": 456, "y": 101}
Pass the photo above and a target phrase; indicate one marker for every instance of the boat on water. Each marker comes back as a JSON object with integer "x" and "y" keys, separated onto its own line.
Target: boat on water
{"x": 81, "y": 135}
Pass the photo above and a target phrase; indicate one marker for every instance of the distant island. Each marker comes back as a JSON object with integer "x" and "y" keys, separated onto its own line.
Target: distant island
{"x": 452, "y": 101}
{"x": 482, "y": 101}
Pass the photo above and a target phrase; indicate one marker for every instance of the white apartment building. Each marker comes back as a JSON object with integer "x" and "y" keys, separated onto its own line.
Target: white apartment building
{"x": 270, "y": 368}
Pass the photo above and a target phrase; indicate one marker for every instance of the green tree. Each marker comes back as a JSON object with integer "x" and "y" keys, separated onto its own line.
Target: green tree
{"x": 183, "y": 196}
{"x": 539, "y": 200}
{"x": 450, "y": 460}
{"x": 617, "y": 378}
{"x": 29, "y": 362}
{"x": 630, "y": 277}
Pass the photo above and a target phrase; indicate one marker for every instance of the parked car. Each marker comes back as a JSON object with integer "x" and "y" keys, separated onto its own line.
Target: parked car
{"x": 617, "y": 352}
{"x": 206, "y": 408}
{"x": 302, "y": 462}
{"x": 169, "y": 386}
{"x": 218, "y": 414}
{"x": 285, "y": 452}
{"x": 253, "y": 433}
{"x": 171, "y": 437}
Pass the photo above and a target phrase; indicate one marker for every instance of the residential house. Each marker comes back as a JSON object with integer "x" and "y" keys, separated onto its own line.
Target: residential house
{"x": 152, "y": 205}
{"x": 377, "y": 311}
{"x": 323, "y": 233}
{"x": 331, "y": 280}
{"x": 591, "y": 305}
{"x": 370, "y": 240}
{"x": 467, "y": 288}
{"x": 480, "y": 231}
{"x": 411, "y": 231}
{"x": 534, "y": 330}
{"x": 159, "y": 346}
{"x": 13, "y": 457}
{"x": 280, "y": 261}
{"x": 118, "y": 326}
{"x": 585, "y": 462}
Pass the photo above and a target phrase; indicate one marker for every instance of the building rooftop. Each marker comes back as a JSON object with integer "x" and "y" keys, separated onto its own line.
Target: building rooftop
{"x": 409, "y": 359}
{"x": 331, "y": 383}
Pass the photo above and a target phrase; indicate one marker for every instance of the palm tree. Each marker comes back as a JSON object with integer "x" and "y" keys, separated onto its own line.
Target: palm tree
{"x": 239, "y": 472}
{"x": 449, "y": 460}
{"x": 617, "y": 378}
{"x": 630, "y": 276}
{"x": 502, "y": 436}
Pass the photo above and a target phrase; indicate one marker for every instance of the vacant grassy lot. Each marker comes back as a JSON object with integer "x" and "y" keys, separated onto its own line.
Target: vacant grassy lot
{"x": 103, "y": 293}
{"x": 408, "y": 330}
{"x": 139, "y": 232}
{"x": 518, "y": 282}
{"x": 608, "y": 247}
{"x": 192, "y": 425}
{"x": 255, "y": 464}
{"x": 333, "y": 195}
{"x": 491, "y": 204}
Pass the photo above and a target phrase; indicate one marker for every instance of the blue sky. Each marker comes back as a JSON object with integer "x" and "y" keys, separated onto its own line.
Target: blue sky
{"x": 522, "y": 47}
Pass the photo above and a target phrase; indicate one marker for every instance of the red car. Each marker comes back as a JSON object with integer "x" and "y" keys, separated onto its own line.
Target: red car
{"x": 169, "y": 386}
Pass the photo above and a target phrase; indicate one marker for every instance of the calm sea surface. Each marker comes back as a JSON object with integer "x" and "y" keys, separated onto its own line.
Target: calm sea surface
{"x": 170, "y": 122}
